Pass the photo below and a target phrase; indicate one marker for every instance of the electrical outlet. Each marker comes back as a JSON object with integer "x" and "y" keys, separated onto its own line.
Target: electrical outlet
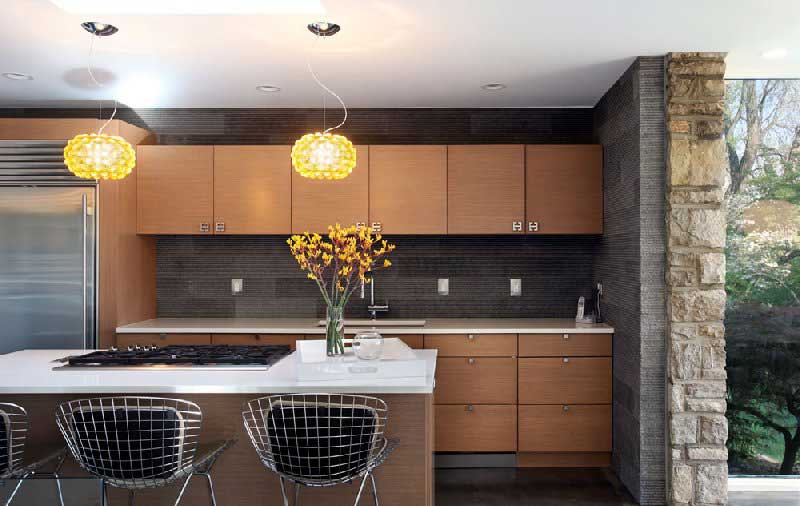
{"x": 443, "y": 286}
{"x": 237, "y": 286}
{"x": 516, "y": 287}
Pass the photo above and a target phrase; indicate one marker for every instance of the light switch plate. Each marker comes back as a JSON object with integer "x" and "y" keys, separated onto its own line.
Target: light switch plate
{"x": 443, "y": 286}
{"x": 516, "y": 287}
{"x": 237, "y": 286}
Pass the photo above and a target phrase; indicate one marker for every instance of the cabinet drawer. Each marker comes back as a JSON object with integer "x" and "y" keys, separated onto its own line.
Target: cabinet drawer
{"x": 256, "y": 339}
{"x": 473, "y": 345}
{"x": 414, "y": 341}
{"x": 125, "y": 340}
{"x": 565, "y": 345}
{"x": 476, "y": 381}
{"x": 565, "y": 380}
{"x": 476, "y": 428}
{"x": 565, "y": 428}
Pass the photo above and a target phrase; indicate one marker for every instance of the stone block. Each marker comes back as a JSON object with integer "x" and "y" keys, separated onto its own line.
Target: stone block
{"x": 685, "y": 360}
{"x": 694, "y": 196}
{"x": 715, "y": 108}
{"x": 708, "y": 129}
{"x": 683, "y": 332}
{"x": 710, "y": 88}
{"x": 712, "y": 484}
{"x": 706, "y": 390}
{"x": 712, "y": 268}
{"x": 682, "y": 277}
{"x": 678, "y": 126}
{"x": 706, "y": 405}
{"x": 682, "y": 259}
{"x": 713, "y": 429}
{"x": 683, "y": 429}
{"x": 714, "y": 356}
{"x": 682, "y": 483}
{"x": 696, "y": 67}
{"x": 715, "y": 374}
{"x": 712, "y": 331}
{"x": 697, "y": 162}
{"x": 707, "y": 453}
{"x": 697, "y": 305}
{"x": 676, "y": 404}
{"x": 697, "y": 227}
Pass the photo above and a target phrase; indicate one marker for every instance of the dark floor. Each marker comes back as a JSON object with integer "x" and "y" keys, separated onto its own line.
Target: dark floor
{"x": 512, "y": 487}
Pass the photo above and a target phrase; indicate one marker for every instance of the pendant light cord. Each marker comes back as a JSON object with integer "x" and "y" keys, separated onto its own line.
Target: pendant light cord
{"x": 337, "y": 97}
{"x": 97, "y": 83}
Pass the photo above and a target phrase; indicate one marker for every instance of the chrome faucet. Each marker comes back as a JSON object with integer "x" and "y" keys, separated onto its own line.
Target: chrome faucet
{"x": 373, "y": 308}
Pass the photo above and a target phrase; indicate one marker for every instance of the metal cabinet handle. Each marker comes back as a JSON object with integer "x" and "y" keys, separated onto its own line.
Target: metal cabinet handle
{"x": 205, "y": 227}
{"x": 566, "y": 360}
{"x": 360, "y": 225}
{"x": 566, "y": 336}
{"x": 219, "y": 227}
{"x": 516, "y": 226}
{"x": 471, "y": 361}
{"x": 471, "y": 337}
{"x": 565, "y": 408}
{"x": 377, "y": 226}
{"x": 469, "y": 408}
{"x": 533, "y": 226}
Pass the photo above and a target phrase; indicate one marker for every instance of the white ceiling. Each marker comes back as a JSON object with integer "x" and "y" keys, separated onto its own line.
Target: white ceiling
{"x": 390, "y": 53}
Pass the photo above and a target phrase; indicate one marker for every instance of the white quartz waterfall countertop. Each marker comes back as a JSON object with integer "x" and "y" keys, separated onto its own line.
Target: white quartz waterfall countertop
{"x": 31, "y": 372}
{"x": 311, "y": 326}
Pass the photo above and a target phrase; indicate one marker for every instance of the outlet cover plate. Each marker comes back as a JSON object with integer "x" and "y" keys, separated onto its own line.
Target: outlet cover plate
{"x": 516, "y": 287}
{"x": 443, "y": 286}
{"x": 237, "y": 286}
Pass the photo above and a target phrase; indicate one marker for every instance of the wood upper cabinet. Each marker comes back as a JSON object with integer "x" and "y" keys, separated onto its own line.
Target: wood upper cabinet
{"x": 252, "y": 190}
{"x": 564, "y": 189}
{"x": 408, "y": 189}
{"x": 316, "y": 203}
{"x": 486, "y": 189}
{"x": 175, "y": 189}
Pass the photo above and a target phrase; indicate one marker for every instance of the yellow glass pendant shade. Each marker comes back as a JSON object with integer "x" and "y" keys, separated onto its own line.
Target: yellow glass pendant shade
{"x": 99, "y": 156}
{"x": 323, "y": 156}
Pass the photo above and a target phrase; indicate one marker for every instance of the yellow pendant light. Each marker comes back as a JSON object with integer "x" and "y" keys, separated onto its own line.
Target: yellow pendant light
{"x": 99, "y": 156}
{"x": 323, "y": 155}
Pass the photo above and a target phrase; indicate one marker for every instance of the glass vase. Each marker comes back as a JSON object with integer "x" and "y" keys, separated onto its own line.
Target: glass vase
{"x": 334, "y": 331}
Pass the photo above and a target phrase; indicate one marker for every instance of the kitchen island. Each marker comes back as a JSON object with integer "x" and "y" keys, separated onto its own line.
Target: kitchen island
{"x": 29, "y": 378}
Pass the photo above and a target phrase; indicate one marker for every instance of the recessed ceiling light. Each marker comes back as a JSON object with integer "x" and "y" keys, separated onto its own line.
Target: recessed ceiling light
{"x": 99, "y": 29}
{"x": 191, "y": 7}
{"x": 494, "y": 87}
{"x": 18, "y": 76}
{"x": 775, "y": 54}
{"x": 268, "y": 88}
{"x": 324, "y": 28}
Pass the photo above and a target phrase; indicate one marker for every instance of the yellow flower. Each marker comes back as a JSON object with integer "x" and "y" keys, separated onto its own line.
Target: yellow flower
{"x": 387, "y": 263}
{"x": 311, "y": 276}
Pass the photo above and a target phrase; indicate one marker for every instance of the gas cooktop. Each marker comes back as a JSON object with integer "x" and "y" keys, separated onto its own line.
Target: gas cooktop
{"x": 180, "y": 357}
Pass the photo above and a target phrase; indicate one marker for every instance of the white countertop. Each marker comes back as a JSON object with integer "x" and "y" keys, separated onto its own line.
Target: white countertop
{"x": 310, "y": 326}
{"x": 31, "y": 372}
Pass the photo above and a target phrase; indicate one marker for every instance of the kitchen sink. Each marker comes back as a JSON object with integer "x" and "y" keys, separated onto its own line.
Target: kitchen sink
{"x": 365, "y": 322}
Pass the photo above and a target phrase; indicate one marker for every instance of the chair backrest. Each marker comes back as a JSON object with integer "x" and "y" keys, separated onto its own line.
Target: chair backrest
{"x": 13, "y": 431}
{"x": 141, "y": 441}
{"x": 317, "y": 438}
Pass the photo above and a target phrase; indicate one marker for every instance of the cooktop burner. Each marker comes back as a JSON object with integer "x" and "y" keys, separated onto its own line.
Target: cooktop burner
{"x": 188, "y": 356}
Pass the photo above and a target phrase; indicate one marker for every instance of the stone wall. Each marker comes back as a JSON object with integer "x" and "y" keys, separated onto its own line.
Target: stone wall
{"x": 696, "y": 169}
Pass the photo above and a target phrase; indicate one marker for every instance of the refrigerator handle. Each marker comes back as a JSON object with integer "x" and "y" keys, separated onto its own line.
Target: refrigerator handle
{"x": 84, "y": 217}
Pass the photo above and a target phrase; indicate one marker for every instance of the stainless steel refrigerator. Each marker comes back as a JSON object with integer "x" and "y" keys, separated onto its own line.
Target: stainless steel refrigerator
{"x": 47, "y": 251}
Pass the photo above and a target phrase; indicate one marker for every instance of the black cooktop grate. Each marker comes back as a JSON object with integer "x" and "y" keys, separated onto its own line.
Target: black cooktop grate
{"x": 201, "y": 355}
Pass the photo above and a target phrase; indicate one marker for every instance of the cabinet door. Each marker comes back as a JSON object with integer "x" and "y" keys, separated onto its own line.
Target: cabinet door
{"x": 476, "y": 428}
{"x": 567, "y": 380}
{"x": 485, "y": 189}
{"x": 408, "y": 189}
{"x": 257, "y": 339}
{"x": 175, "y": 189}
{"x": 161, "y": 340}
{"x": 476, "y": 381}
{"x": 252, "y": 190}
{"x": 473, "y": 345}
{"x": 318, "y": 203}
{"x": 564, "y": 189}
{"x": 565, "y": 428}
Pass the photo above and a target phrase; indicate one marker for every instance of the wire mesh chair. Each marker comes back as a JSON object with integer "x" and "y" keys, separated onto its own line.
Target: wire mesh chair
{"x": 13, "y": 433}
{"x": 319, "y": 440}
{"x": 138, "y": 442}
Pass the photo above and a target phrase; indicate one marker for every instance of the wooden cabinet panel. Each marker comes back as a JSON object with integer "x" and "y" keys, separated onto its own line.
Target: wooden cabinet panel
{"x": 175, "y": 189}
{"x": 565, "y": 345}
{"x": 413, "y": 341}
{"x": 252, "y": 190}
{"x": 473, "y": 345}
{"x": 476, "y": 381}
{"x": 160, "y": 340}
{"x": 485, "y": 189}
{"x": 408, "y": 189}
{"x": 564, "y": 189}
{"x": 476, "y": 428}
{"x": 316, "y": 204}
{"x": 565, "y": 428}
{"x": 256, "y": 339}
{"x": 564, "y": 380}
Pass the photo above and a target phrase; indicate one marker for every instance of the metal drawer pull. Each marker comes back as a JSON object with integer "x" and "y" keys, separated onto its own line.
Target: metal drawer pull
{"x": 470, "y": 408}
{"x": 377, "y": 226}
{"x": 566, "y": 336}
{"x": 565, "y": 408}
{"x": 533, "y": 226}
{"x": 471, "y": 337}
{"x": 516, "y": 226}
{"x": 205, "y": 227}
{"x": 471, "y": 361}
{"x": 566, "y": 360}
{"x": 220, "y": 226}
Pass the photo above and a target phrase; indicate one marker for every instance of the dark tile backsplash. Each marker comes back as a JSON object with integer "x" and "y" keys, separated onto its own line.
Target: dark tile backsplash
{"x": 195, "y": 272}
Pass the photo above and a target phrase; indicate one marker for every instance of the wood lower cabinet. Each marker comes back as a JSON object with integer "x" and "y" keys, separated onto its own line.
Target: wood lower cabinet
{"x": 565, "y": 345}
{"x": 485, "y": 189}
{"x": 408, "y": 189}
{"x": 476, "y": 428}
{"x": 252, "y": 190}
{"x": 565, "y": 380}
{"x": 565, "y": 428}
{"x": 473, "y": 345}
{"x": 480, "y": 380}
{"x": 257, "y": 339}
{"x": 317, "y": 203}
{"x": 160, "y": 340}
{"x": 564, "y": 189}
{"x": 175, "y": 189}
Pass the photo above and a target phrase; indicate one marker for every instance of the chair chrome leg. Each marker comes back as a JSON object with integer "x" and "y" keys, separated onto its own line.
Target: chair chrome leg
{"x": 374, "y": 488}
{"x": 58, "y": 489}
{"x": 183, "y": 489}
{"x": 16, "y": 489}
{"x": 361, "y": 489}
{"x": 211, "y": 489}
{"x": 103, "y": 493}
{"x": 131, "y": 497}
{"x": 58, "y": 479}
{"x": 283, "y": 492}
{"x": 296, "y": 494}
